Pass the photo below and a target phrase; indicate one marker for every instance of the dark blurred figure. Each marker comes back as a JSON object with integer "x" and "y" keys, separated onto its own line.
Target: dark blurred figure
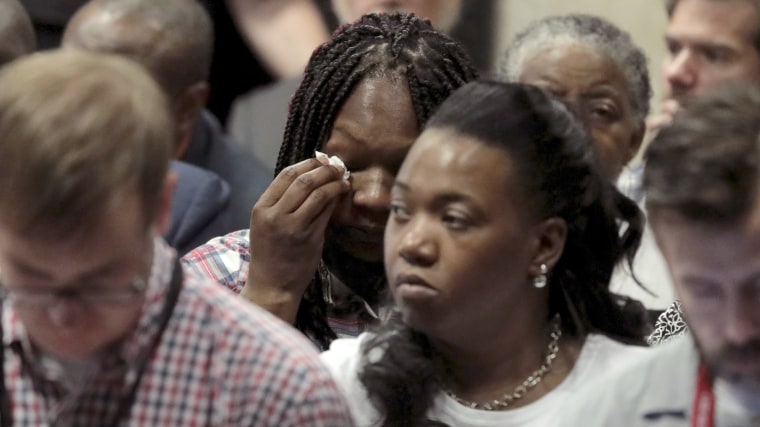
{"x": 173, "y": 40}
{"x": 235, "y": 69}
{"x": 16, "y": 33}
{"x": 49, "y": 18}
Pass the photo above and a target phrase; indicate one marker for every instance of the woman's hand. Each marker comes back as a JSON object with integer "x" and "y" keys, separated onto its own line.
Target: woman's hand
{"x": 287, "y": 234}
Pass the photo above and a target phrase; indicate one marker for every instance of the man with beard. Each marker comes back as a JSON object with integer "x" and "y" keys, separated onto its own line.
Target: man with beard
{"x": 711, "y": 43}
{"x": 701, "y": 185}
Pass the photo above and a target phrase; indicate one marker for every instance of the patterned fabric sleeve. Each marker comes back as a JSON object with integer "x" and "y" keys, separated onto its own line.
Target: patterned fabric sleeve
{"x": 267, "y": 374}
{"x": 223, "y": 259}
{"x": 670, "y": 324}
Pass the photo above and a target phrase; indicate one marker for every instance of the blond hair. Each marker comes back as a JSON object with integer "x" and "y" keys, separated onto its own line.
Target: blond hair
{"x": 78, "y": 131}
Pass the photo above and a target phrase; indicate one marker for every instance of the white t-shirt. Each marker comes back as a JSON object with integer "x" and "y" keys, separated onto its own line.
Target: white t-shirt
{"x": 599, "y": 353}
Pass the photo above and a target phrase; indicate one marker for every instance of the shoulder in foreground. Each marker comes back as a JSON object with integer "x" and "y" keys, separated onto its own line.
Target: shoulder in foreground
{"x": 262, "y": 362}
{"x": 233, "y": 317}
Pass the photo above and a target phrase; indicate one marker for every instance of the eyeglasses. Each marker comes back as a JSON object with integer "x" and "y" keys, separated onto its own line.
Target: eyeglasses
{"x": 30, "y": 298}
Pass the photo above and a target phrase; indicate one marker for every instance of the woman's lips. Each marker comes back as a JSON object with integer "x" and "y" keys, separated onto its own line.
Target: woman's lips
{"x": 413, "y": 287}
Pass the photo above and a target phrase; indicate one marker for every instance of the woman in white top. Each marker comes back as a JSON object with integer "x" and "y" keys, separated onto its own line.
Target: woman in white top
{"x": 499, "y": 250}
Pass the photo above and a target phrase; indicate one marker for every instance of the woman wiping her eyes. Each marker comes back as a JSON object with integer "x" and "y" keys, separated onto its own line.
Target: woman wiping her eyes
{"x": 313, "y": 254}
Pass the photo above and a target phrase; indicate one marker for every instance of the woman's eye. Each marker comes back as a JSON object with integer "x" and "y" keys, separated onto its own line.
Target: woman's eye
{"x": 603, "y": 112}
{"x": 455, "y": 220}
{"x": 399, "y": 211}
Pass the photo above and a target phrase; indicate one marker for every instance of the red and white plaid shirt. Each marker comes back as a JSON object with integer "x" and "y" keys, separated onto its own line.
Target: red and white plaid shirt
{"x": 226, "y": 260}
{"x": 220, "y": 362}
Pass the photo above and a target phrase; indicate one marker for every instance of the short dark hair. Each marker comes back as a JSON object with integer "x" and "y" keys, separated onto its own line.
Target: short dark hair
{"x": 396, "y": 45}
{"x": 670, "y": 7}
{"x": 181, "y": 56}
{"x": 704, "y": 166}
{"x": 556, "y": 168}
{"x": 16, "y": 31}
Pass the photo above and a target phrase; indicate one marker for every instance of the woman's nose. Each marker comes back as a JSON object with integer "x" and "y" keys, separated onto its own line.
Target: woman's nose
{"x": 417, "y": 243}
{"x": 372, "y": 190}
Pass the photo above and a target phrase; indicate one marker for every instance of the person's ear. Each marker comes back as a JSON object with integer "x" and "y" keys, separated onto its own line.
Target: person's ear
{"x": 188, "y": 106}
{"x": 634, "y": 143}
{"x": 551, "y": 235}
{"x": 164, "y": 216}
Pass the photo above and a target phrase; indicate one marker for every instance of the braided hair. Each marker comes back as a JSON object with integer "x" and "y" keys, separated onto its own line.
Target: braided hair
{"x": 400, "y": 45}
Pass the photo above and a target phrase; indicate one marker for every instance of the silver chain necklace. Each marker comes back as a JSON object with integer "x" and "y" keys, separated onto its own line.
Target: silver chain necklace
{"x": 551, "y": 353}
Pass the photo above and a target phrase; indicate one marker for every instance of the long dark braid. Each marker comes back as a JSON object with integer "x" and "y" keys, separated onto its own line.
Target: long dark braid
{"x": 399, "y": 45}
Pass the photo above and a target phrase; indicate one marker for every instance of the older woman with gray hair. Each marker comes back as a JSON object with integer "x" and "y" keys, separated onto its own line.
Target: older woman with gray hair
{"x": 599, "y": 72}
{"x": 596, "y": 69}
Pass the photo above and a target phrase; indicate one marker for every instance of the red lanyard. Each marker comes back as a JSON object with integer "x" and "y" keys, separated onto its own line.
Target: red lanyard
{"x": 703, "y": 411}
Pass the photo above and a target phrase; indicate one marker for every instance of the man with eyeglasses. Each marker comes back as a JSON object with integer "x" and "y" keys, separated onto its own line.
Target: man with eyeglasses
{"x": 99, "y": 325}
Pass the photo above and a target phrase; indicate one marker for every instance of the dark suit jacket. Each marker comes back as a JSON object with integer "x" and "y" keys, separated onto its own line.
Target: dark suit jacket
{"x": 199, "y": 198}
{"x": 210, "y": 149}
{"x": 257, "y": 119}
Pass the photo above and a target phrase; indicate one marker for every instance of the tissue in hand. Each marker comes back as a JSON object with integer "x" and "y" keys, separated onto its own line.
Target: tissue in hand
{"x": 333, "y": 161}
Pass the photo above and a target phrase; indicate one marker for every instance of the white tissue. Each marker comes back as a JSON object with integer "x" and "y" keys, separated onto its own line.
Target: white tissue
{"x": 333, "y": 161}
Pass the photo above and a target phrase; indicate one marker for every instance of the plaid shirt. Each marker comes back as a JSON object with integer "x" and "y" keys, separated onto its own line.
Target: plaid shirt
{"x": 220, "y": 362}
{"x": 226, "y": 260}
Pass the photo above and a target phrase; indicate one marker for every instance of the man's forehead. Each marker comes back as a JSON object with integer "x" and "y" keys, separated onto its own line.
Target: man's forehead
{"x": 671, "y": 226}
{"x": 723, "y": 22}
{"x": 698, "y": 252}
{"x": 86, "y": 251}
{"x": 673, "y": 5}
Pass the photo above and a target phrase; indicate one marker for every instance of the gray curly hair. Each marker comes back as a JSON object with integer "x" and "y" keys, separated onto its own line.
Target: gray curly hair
{"x": 590, "y": 30}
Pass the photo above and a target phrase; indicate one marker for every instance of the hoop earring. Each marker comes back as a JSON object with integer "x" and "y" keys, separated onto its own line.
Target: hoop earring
{"x": 539, "y": 281}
